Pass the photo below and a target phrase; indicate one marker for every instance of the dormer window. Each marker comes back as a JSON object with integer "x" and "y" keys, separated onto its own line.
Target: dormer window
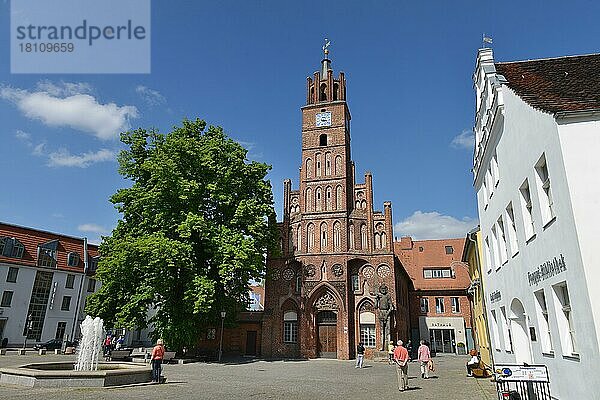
{"x": 11, "y": 247}
{"x": 73, "y": 259}
{"x": 47, "y": 254}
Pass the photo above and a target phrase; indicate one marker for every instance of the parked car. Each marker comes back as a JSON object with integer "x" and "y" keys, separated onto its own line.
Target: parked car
{"x": 53, "y": 344}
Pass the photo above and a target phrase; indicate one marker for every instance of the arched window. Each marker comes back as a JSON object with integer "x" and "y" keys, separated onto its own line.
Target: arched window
{"x": 323, "y": 140}
{"x": 338, "y": 165}
{"x": 318, "y": 164}
{"x": 318, "y": 199}
{"x": 328, "y": 200}
{"x": 363, "y": 237}
{"x": 308, "y": 200}
{"x": 339, "y": 198}
{"x": 351, "y": 236}
{"x": 323, "y": 92}
{"x": 383, "y": 240}
{"x": 299, "y": 238}
{"x": 337, "y": 242}
{"x": 323, "y": 236}
{"x": 290, "y": 327}
{"x": 312, "y": 94}
{"x": 327, "y": 163}
{"x": 336, "y": 88}
{"x": 310, "y": 237}
{"x": 377, "y": 241}
{"x": 309, "y": 167}
{"x": 367, "y": 328}
{"x": 363, "y": 204}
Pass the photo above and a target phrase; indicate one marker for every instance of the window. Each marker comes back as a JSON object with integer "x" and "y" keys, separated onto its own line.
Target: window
{"x": 290, "y": 327}
{"x": 46, "y": 258}
{"x": 211, "y": 334}
{"x": 367, "y": 328}
{"x": 424, "y": 305}
{"x": 6, "y": 298}
{"x": 351, "y": 236}
{"x": 60, "y": 330}
{"x": 363, "y": 237}
{"x": 495, "y": 330}
{"x": 309, "y": 167}
{"x": 508, "y": 346}
{"x": 91, "y": 285}
{"x": 502, "y": 241}
{"x": 11, "y": 247}
{"x": 512, "y": 231}
{"x": 12, "y": 274}
{"x": 543, "y": 321}
{"x": 455, "y": 304}
{"x": 527, "y": 210}
{"x": 298, "y": 282}
{"x": 439, "y": 305}
{"x": 323, "y": 140}
{"x": 449, "y": 250}
{"x": 544, "y": 192}
{"x": 431, "y": 273}
{"x": 310, "y": 237}
{"x": 93, "y": 263}
{"x": 323, "y": 236}
{"x": 308, "y": 200}
{"x": 327, "y": 160}
{"x": 337, "y": 236}
{"x": 66, "y": 303}
{"x": 318, "y": 200}
{"x": 73, "y": 259}
{"x": 70, "y": 281}
{"x": 488, "y": 255}
{"x": 355, "y": 283}
{"x": 420, "y": 248}
{"x": 495, "y": 172}
{"x": 318, "y": 161}
{"x": 495, "y": 251}
{"x": 564, "y": 317}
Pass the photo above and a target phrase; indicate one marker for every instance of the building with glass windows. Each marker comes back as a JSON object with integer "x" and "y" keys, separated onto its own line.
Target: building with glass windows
{"x": 440, "y": 311}
{"x": 535, "y": 173}
{"x": 45, "y": 278}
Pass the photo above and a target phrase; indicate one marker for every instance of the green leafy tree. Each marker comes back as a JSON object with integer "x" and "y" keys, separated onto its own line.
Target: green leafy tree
{"x": 197, "y": 223}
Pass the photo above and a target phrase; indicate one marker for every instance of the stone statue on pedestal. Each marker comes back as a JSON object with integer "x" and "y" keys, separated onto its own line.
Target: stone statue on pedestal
{"x": 385, "y": 305}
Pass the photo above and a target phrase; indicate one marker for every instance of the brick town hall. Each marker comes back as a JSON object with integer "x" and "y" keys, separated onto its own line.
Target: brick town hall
{"x": 336, "y": 278}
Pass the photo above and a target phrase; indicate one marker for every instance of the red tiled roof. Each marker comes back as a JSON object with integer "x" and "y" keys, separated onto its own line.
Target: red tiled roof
{"x": 556, "y": 84}
{"x": 420, "y": 254}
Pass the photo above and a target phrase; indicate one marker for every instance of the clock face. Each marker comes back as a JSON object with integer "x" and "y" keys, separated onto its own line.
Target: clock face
{"x": 323, "y": 119}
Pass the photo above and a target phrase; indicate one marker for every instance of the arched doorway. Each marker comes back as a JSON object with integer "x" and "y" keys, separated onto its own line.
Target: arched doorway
{"x": 518, "y": 326}
{"x": 327, "y": 334}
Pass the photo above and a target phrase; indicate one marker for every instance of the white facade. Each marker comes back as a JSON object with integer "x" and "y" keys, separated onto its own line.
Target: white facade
{"x": 539, "y": 214}
{"x": 13, "y": 316}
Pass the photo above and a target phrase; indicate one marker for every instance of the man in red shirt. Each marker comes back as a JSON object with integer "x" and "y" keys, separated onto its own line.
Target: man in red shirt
{"x": 401, "y": 360}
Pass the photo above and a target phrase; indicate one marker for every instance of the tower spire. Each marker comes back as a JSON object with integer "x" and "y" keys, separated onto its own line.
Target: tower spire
{"x": 325, "y": 63}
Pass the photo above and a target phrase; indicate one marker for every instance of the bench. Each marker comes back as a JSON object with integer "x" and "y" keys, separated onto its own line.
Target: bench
{"x": 168, "y": 356}
{"x": 122, "y": 355}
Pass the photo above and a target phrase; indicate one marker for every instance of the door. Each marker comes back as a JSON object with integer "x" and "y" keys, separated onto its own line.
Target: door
{"x": 250, "y": 343}
{"x": 328, "y": 341}
{"x": 327, "y": 332}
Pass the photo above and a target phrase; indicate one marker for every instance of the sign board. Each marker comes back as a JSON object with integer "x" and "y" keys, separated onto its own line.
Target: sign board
{"x": 521, "y": 373}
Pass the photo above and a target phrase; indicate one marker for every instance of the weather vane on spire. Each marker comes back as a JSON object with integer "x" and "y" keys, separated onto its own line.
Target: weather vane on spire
{"x": 325, "y": 46}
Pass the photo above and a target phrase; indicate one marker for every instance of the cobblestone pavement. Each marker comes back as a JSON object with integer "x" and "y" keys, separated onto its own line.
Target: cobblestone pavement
{"x": 258, "y": 379}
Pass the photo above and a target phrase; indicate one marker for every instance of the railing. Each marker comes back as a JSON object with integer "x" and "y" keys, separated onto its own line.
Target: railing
{"x": 522, "y": 382}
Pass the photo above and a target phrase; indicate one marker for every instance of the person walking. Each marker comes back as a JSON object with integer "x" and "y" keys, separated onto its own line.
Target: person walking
{"x": 401, "y": 360}
{"x": 391, "y": 353}
{"x": 360, "y": 355}
{"x": 158, "y": 352}
{"x": 424, "y": 356}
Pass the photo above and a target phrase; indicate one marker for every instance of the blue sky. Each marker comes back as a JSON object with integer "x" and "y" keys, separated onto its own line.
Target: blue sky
{"x": 243, "y": 65}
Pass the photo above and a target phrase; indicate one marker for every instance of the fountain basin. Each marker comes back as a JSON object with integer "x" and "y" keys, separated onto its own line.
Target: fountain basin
{"x": 62, "y": 374}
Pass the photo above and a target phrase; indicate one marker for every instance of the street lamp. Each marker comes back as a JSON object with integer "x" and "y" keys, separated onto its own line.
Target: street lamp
{"x": 223, "y": 313}
{"x": 28, "y": 323}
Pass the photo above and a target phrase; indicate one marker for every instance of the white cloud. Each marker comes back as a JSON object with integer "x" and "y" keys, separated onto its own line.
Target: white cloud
{"x": 69, "y": 105}
{"x": 39, "y": 149}
{"x": 93, "y": 228}
{"x": 62, "y": 158}
{"x": 24, "y": 136}
{"x": 466, "y": 140}
{"x": 433, "y": 225}
{"x": 150, "y": 96}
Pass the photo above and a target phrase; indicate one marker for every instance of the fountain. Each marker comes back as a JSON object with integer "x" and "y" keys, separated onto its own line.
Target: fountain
{"x": 87, "y": 372}
{"x": 92, "y": 331}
